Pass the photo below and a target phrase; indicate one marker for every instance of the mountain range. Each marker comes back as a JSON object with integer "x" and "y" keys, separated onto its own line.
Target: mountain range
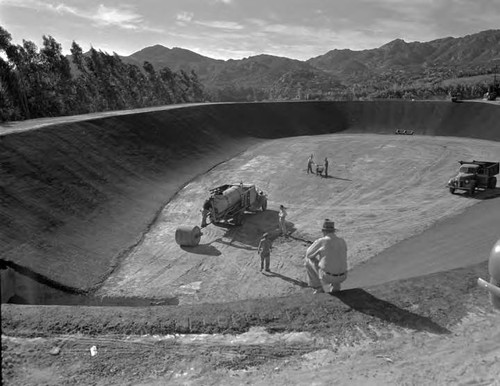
{"x": 337, "y": 71}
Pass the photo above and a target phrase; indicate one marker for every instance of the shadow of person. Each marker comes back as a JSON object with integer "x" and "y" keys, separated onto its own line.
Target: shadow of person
{"x": 234, "y": 244}
{"x": 290, "y": 228}
{"x": 300, "y": 283}
{"x": 248, "y": 235}
{"x": 364, "y": 302}
{"x": 203, "y": 249}
{"x": 337, "y": 178}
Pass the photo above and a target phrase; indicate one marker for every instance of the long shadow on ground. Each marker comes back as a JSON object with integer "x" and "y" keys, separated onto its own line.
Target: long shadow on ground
{"x": 364, "y": 302}
{"x": 299, "y": 283}
{"x": 203, "y": 249}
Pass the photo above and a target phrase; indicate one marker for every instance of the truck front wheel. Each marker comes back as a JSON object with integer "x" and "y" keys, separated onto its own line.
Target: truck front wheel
{"x": 472, "y": 191}
{"x": 452, "y": 190}
{"x": 493, "y": 183}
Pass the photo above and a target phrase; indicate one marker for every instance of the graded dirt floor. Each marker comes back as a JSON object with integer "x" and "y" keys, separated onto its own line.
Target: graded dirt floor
{"x": 374, "y": 182}
{"x": 90, "y": 206}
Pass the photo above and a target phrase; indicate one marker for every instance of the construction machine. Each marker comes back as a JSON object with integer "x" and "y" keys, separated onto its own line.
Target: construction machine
{"x": 226, "y": 204}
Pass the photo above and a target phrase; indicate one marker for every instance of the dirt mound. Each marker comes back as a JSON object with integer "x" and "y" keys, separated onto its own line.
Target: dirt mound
{"x": 79, "y": 195}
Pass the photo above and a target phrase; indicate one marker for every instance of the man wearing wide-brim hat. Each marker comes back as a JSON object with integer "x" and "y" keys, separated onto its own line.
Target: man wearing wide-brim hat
{"x": 326, "y": 260}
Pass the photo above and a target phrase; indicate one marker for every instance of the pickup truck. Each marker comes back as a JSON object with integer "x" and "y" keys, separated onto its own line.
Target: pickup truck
{"x": 474, "y": 175}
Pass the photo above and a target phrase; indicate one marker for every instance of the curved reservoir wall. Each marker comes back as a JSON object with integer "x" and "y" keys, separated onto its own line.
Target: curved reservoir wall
{"x": 76, "y": 196}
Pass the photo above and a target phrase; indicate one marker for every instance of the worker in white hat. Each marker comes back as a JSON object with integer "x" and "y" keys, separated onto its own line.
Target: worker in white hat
{"x": 326, "y": 260}
{"x": 282, "y": 220}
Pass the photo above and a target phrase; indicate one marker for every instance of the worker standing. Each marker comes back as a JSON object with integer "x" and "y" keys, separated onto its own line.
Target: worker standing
{"x": 326, "y": 260}
{"x": 282, "y": 220}
{"x": 264, "y": 250}
{"x": 310, "y": 163}
{"x": 326, "y": 167}
{"x": 207, "y": 206}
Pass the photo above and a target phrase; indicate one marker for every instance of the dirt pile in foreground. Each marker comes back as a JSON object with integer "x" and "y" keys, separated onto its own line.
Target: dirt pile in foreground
{"x": 414, "y": 310}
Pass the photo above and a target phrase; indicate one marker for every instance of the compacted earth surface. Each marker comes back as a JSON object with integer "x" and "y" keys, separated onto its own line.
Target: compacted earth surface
{"x": 410, "y": 311}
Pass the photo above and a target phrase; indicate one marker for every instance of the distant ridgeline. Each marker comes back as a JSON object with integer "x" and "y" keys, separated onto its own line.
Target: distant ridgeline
{"x": 45, "y": 83}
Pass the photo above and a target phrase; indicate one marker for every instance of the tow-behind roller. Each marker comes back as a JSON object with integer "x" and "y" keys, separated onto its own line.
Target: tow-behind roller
{"x": 188, "y": 236}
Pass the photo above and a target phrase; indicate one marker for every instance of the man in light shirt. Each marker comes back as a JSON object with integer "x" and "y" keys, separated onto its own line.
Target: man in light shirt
{"x": 282, "y": 220}
{"x": 310, "y": 163}
{"x": 326, "y": 261}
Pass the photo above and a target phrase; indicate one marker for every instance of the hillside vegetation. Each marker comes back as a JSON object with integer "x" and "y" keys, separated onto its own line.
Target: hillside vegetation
{"x": 43, "y": 82}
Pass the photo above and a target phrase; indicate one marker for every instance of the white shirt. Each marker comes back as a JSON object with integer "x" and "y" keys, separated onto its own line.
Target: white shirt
{"x": 331, "y": 252}
{"x": 282, "y": 214}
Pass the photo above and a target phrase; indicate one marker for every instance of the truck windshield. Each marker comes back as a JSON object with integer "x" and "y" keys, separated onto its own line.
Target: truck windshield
{"x": 468, "y": 169}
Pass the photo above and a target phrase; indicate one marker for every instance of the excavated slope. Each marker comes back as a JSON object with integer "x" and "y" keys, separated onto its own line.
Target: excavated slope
{"x": 76, "y": 196}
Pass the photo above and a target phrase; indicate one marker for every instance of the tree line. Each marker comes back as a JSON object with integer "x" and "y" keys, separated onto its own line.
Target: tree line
{"x": 43, "y": 82}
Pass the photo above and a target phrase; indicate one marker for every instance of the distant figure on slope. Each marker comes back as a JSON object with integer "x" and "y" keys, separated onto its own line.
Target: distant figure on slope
{"x": 326, "y": 260}
{"x": 264, "y": 250}
{"x": 319, "y": 170}
{"x": 282, "y": 220}
{"x": 310, "y": 163}
{"x": 326, "y": 167}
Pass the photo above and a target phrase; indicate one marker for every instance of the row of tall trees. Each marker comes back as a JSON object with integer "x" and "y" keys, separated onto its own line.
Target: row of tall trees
{"x": 44, "y": 83}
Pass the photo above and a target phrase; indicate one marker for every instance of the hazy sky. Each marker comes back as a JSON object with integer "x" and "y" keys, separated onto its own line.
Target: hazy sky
{"x": 233, "y": 29}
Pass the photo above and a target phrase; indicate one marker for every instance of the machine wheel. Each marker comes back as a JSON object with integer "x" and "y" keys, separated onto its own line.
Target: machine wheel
{"x": 472, "y": 191}
{"x": 493, "y": 183}
{"x": 264, "y": 204}
{"x": 452, "y": 190}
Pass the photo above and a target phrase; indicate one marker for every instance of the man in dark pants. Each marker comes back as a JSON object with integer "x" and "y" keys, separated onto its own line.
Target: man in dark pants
{"x": 207, "y": 206}
{"x": 326, "y": 261}
{"x": 264, "y": 250}
{"x": 326, "y": 167}
{"x": 310, "y": 163}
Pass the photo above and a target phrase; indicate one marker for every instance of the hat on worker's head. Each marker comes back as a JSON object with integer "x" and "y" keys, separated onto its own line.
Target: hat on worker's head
{"x": 282, "y": 207}
{"x": 328, "y": 226}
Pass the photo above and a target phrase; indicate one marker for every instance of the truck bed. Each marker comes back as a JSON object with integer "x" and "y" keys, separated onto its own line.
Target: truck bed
{"x": 490, "y": 168}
